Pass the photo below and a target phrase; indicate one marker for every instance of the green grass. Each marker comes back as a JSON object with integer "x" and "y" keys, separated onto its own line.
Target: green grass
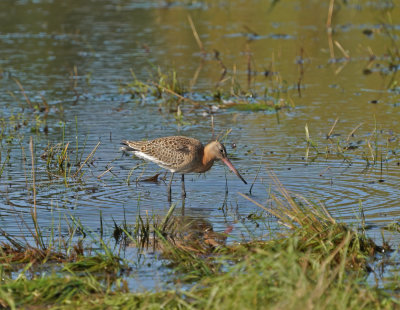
{"x": 45, "y": 290}
{"x": 284, "y": 276}
{"x": 284, "y": 273}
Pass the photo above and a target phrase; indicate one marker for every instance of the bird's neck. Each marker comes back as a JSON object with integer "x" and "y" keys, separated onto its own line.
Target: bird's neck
{"x": 207, "y": 159}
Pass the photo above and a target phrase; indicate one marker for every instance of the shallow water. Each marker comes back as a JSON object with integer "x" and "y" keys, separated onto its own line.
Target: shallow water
{"x": 77, "y": 55}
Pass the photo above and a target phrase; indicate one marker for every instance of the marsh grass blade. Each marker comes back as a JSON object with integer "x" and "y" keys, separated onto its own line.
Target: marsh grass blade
{"x": 87, "y": 159}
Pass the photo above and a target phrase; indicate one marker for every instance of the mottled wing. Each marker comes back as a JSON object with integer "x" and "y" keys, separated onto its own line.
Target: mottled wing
{"x": 174, "y": 153}
{"x": 170, "y": 152}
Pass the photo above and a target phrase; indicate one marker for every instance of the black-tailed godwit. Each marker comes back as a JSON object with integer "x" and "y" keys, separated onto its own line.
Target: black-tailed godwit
{"x": 180, "y": 154}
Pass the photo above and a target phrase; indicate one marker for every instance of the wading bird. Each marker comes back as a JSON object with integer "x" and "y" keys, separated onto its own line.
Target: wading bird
{"x": 180, "y": 154}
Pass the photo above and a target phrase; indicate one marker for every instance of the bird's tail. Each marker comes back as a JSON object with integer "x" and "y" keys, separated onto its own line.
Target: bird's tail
{"x": 127, "y": 147}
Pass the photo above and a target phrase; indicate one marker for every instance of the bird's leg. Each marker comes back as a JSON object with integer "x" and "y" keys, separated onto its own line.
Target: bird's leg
{"x": 183, "y": 187}
{"x": 183, "y": 195}
{"x": 169, "y": 187}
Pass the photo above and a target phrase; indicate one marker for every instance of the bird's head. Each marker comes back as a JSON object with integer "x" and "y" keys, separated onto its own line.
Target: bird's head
{"x": 216, "y": 151}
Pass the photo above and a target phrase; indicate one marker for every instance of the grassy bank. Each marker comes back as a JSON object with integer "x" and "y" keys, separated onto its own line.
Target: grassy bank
{"x": 314, "y": 263}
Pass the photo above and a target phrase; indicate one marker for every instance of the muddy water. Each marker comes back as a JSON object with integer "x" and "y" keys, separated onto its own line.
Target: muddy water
{"x": 77, "y": 56}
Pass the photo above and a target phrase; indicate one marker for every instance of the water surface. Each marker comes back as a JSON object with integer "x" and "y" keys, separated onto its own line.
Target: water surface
{"x": 79, "y": 57}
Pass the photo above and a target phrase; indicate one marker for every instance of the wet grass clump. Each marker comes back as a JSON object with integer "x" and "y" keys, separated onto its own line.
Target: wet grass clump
{"x": 228, "y": 93}
{"x": 311, "y": 230}
{"x": 376, "y": 149}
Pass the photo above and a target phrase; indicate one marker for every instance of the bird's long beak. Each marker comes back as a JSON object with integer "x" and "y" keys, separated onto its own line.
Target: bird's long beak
{"x": 229, "y": 164}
